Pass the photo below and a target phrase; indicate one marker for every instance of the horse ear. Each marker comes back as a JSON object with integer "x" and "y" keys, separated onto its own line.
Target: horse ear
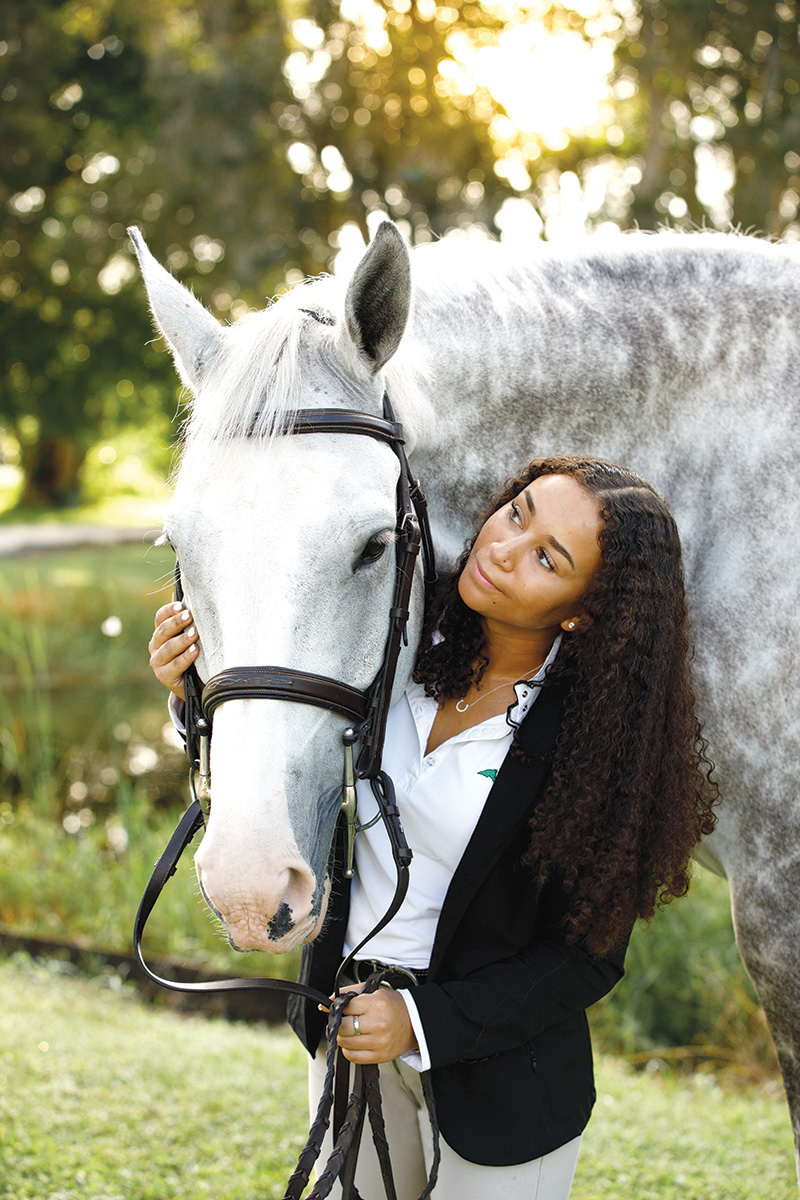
{"x": 378, "y": 297}
{"x": 191, "y": 333}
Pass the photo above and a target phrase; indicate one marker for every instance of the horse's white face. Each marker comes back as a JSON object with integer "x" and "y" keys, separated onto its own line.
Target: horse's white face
{"x": 286, "y": 547}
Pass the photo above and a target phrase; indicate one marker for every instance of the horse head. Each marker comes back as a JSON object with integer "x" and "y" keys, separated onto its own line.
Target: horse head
{"x": 286, "y": 547}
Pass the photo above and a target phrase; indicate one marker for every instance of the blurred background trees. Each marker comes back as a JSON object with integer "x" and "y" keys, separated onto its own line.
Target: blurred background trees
{"x": 252, "y": 139}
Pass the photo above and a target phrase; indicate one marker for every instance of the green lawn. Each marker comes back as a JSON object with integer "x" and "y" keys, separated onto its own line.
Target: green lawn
{"x": 101, "y": 1099}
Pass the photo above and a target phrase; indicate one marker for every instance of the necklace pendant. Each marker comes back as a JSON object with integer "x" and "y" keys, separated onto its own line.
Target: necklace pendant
{"x": 461, "y": 706}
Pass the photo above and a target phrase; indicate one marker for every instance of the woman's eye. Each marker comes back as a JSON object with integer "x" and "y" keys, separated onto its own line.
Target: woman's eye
{"x": 374, "y": 549}
{"x": 545, "y": 559}
{"x": 516, "y": 515}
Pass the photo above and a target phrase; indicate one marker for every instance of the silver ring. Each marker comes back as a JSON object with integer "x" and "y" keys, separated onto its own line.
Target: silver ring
{"x": 356, "y": 1027}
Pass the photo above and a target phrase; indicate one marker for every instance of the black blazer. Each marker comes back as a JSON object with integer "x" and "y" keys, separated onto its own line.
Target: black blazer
{"x": 503, "y": 1006}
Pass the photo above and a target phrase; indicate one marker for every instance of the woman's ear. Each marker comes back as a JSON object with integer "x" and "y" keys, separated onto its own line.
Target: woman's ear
{"x": 571, "y": 624}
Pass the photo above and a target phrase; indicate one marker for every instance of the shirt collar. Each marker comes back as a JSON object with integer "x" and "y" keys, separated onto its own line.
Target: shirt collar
{"x": 526, "y": 693}
{"x": 502, "y": 723}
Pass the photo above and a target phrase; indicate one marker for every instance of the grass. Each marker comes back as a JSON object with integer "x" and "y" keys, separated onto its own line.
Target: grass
{"x": 101, "y": 1099}
{"x": 104, "y": 1100}
{"x": 662, "y": 1137}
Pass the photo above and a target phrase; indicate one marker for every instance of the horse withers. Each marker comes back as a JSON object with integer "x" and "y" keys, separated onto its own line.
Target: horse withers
{"x": 678, "y": 355}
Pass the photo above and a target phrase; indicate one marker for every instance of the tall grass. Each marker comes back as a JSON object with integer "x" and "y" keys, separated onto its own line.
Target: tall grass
{"x": 26, "y": 712}
{"x": 86, "y": 886}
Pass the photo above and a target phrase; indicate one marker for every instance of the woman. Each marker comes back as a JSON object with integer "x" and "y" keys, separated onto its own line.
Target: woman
{"x": 553, "y": 782}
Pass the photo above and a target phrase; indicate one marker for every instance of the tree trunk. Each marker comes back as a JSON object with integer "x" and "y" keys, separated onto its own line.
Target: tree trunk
{"x": 50, "y": 466}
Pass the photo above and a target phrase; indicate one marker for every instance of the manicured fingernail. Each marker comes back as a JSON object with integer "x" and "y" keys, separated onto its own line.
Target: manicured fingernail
{"x": 177, "y": 607}
{"x": 192, "y": 649}
{"x": 190, "y": 633}
{"x": 186, "y": 615}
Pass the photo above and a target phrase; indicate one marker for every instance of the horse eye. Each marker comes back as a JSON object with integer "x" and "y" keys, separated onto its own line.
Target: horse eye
{"x": 374, "y": 549}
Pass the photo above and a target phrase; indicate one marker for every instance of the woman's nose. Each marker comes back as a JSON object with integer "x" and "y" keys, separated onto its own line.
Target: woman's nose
{"x": 503, "y": 553}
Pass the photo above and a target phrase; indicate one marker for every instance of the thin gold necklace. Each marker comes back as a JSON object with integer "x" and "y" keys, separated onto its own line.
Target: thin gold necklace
{"x": 462, "y": 706}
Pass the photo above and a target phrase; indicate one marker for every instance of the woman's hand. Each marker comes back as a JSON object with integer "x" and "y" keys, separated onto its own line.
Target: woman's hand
{"x": 386, "y": 1030}
{"x": 173, "y": 646}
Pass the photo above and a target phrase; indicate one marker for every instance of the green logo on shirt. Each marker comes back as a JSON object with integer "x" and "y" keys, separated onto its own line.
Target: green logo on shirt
{"x": 490, "y": 774}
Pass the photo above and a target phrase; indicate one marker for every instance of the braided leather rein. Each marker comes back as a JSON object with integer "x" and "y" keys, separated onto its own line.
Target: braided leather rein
{"x": 370, "y": 710}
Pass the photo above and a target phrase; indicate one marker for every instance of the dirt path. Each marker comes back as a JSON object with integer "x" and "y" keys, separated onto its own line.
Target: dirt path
{"x": 34, "y": 539}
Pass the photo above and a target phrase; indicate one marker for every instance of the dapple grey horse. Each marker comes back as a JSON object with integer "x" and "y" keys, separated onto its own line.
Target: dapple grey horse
{"x": 677, "y": 355}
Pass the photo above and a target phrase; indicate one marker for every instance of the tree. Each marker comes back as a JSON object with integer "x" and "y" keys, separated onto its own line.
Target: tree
{"x": 703, "y": 124}
{"x": 179, "y": 118}
{"x": 379, "y": 123}
{"x": 73, "y": 125}
{"x": 243, "y": 142}
{"x": 120, "y": 114}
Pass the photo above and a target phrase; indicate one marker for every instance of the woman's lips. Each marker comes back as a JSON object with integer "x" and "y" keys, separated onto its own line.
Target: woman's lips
{"x": 482, "y": 578}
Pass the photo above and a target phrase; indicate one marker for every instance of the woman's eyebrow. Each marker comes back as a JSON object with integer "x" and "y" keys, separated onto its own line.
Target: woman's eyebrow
{"x": 552, "y": 541}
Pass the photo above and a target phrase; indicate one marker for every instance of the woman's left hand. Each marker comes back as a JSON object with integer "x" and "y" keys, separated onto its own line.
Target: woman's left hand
{"x": 386, "y": 1030}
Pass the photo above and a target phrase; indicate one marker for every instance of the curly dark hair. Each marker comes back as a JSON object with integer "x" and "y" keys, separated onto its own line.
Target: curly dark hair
{"x": 630, "y": 791}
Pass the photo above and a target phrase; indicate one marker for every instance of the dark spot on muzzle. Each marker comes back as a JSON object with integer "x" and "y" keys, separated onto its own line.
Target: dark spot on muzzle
{"x": 281, "y": 923}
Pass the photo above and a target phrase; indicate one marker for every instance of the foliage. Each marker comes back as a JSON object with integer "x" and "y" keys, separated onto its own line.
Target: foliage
{"x": 716, "y": 89}
{"x": 103, "y": 1098}
{"x": 177, "y": 118}
{"x": 686, "y": 999}
{"x": 250, "y": 139}
{"x": 72, "y": 135}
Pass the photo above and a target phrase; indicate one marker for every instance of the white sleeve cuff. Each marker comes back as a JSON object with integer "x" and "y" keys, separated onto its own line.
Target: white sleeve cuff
{"x": 419, "y": 1059}
{"x": 175, "y": 707}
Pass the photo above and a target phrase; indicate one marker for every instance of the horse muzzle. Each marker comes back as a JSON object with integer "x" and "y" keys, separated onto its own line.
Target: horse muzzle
{"x": 273, "y": 911}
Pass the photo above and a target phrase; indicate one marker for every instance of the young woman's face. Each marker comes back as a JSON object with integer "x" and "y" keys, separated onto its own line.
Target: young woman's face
{"x": 534, "y": 559}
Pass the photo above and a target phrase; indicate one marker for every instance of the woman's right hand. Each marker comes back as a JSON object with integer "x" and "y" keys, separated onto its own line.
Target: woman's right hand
{"x": 173, "y": 646}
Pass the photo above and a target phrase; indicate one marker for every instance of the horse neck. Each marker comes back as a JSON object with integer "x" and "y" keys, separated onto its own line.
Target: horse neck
{"x": 597, "y": 351}
{"x": 494, "y": 323}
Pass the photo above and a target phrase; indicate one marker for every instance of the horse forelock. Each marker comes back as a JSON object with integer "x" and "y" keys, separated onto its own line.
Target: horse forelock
{"x": 258, "y": 381}
{"x": 294, "y": 354}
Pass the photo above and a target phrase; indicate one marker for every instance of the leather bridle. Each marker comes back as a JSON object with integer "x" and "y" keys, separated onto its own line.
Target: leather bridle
{"x": 368, "y": 710}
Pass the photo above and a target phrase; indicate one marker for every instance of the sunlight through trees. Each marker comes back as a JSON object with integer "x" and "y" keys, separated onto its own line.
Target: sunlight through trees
{"x": 254, "y": 141}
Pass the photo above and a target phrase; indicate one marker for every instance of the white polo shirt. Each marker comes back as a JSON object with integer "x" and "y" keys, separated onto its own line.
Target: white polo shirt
{"x": 440, "y": 797}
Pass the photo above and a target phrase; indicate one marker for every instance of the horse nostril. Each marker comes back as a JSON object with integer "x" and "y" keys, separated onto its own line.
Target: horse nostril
{"x": 298, "y": 894}
{"x": 281, "y": 923}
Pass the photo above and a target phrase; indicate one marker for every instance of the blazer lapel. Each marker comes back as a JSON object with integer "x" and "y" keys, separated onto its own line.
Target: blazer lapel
{"x": 513, "y": 795}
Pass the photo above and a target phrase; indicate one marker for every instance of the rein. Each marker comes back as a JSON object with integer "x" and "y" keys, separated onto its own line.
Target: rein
{"x": 369, "y": 711}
